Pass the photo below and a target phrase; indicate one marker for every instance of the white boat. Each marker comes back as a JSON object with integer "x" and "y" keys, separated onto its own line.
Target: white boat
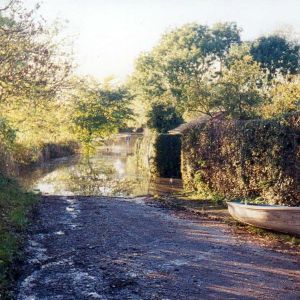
{"x": 274, "y": 217}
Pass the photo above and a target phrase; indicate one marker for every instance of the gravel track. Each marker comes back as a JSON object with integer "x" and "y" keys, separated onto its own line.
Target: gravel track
{"x": 115, "y": 248}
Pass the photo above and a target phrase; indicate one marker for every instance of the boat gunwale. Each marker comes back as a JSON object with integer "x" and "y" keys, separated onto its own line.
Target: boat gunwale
{"x": 265, "y": 207}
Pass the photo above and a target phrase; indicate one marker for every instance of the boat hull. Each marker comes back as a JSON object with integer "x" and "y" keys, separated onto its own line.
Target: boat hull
{"x": 278, "y": 218}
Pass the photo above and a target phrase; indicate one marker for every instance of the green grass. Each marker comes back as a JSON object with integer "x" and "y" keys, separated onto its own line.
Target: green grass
{"x": 15, "y": 205}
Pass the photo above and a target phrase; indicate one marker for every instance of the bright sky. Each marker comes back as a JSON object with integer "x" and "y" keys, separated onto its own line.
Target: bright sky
{"x": 110, "y": 34}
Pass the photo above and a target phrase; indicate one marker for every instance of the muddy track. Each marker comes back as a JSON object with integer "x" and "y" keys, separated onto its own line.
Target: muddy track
{"x": 111, "y": 248}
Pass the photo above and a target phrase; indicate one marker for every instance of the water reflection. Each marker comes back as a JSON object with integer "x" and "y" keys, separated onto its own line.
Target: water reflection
{"x": 106, "y": 173}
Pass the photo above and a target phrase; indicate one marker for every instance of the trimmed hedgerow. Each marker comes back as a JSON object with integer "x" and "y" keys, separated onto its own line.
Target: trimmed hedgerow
{"x": 256, "y": 158}
{"x": 159, "y": 154}
{"x": 167, "y": 156}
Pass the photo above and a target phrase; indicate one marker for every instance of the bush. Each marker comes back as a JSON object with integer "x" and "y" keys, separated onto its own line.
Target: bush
{"x": 7, "y": 145}
{"x": 163, "y": 118}
{"x": 257, "y": 158}
{"x": 29, "y": 155}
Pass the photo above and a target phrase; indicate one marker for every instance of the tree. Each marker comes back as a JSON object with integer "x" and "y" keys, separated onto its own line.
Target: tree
{"x": 163, "y": 118}
{"x": 284, "y": 97}
{"x": 7, "y": 134}
{"x": 276, "y": 54}
{"x": 32, "y": 65}
{"x": 191, "y": 53}
{"x": 201, "y": 94}
{"x": 99, "y": 112}
{"x": 35, "y": 69}
{"x": 239, "y": 90}
{"x": 223, "y": 37}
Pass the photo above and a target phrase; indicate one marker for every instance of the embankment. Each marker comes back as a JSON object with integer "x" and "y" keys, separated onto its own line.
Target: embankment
{"x": 16, "y": 204}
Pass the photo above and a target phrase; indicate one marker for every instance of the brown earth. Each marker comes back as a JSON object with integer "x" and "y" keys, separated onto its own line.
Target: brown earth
{"x": 116, "y": 248}
{"x": 207, "y": 209}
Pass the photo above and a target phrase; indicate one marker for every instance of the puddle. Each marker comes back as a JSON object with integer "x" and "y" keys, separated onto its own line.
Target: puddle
{"x": 59, "y": 233}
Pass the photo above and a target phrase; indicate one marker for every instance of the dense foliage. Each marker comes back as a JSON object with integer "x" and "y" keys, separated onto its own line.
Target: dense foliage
{"x": 238, "y": 91}
{"x": 183, "y": 58}
{"x": 276, "y": 54}
{"x": 163, "y": 118}
{"x": 34, "y": 70}
{"x": 202, "y": 70}
{"x": 256, "y": 158}
{"x": 284, "y": 98}
{"x": 98, "y": 112}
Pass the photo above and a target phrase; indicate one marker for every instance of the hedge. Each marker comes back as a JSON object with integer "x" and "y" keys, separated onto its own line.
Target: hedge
{"x": 159, "y": 154}
{"x": 256, "y": 158}
{"x": 166, "y": 162}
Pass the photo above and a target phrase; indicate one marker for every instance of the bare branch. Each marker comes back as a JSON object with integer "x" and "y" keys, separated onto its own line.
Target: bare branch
{"x": 7, "y": 6}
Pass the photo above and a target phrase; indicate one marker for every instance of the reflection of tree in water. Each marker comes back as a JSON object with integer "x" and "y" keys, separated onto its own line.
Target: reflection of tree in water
{"x": 105, "y": 176}
{"x": 29, "y": 175}
{"x": 89, "y": 177}
{"x": 100, "y": 177}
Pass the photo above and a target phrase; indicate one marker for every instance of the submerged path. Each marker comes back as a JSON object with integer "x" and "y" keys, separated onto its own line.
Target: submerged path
{"x": 112, "y": 248}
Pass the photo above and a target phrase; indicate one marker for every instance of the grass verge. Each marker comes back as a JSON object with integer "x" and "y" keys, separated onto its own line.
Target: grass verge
{"x": 15, "y": 205}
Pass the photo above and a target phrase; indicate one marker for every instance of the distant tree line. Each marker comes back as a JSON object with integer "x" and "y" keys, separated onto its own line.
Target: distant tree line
{"x": 193, "y": 70}
{"x": 196, "y": 69}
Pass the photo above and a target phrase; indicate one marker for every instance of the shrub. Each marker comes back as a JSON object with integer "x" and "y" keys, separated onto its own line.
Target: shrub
{"x": 163, "y": 118}
{"x": 257, "y": 158}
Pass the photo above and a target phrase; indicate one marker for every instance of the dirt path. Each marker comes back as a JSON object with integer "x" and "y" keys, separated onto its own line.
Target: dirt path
{"x": 104, "y": 248}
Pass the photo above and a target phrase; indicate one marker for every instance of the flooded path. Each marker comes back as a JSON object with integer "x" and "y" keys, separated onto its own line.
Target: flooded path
{"x": 106, "y": 173}
{"x": 116, "y": 248}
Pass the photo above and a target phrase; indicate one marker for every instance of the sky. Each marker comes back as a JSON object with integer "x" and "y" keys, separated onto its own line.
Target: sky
{"x": 109, "y": 34}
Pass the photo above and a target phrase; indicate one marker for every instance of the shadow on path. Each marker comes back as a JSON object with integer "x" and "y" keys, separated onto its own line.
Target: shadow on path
{"x": 116, "y": 248}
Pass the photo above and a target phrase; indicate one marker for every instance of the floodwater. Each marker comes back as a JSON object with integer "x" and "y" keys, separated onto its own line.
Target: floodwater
{"x": 110, "y": 171}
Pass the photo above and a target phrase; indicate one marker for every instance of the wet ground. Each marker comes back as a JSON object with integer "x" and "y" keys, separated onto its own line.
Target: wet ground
{"x": 117, "y": 248}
